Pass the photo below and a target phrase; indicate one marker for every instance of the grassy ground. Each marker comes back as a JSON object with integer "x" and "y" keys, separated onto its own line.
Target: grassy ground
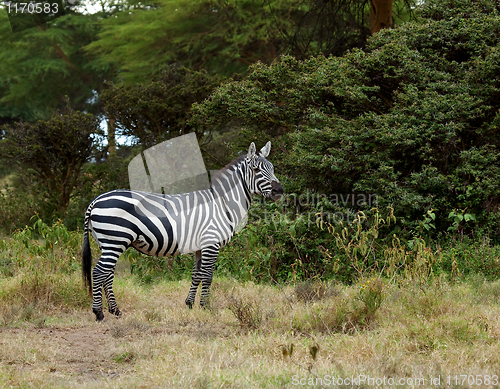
{"x": 253, "y": 336}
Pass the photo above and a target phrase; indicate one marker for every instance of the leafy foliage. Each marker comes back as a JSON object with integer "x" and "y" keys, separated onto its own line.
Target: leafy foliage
{"x": 226, "y": 36}
{"x": 334, "y": 27}
{"x": 223, "y": 36}
{"x": 43, "y": 263}
{"x": 413, "y": 119}
{"x": 50, "y": 153}
{"x": 158, "y": 110}
{"x": 41, "y": 65}
{"x": 17, "y": 206}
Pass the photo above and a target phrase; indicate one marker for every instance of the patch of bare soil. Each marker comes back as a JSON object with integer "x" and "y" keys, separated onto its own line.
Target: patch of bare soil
{"x": 85, "y": 350}
{"x": 83, "y": 353}
{"x": 90, "y": 354}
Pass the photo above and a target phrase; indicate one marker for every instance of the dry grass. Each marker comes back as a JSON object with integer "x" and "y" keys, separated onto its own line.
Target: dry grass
{"x": 418, "y": 331}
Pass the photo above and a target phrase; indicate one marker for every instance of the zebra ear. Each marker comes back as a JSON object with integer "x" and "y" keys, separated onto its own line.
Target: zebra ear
{"x": 251, "y": 151}
{"x": 264, "y": 152}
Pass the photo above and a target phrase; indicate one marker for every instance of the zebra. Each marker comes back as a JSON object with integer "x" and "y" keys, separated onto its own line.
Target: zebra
{"x": 161, "y": 225}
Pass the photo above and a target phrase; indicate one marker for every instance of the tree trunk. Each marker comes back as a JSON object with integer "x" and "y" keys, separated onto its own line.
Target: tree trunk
{"x": 111, "y": 137}
{"x": 380, "y": 15}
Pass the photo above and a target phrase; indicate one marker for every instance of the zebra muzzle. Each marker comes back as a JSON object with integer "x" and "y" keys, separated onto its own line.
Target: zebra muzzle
{"x": 277, "y": 191}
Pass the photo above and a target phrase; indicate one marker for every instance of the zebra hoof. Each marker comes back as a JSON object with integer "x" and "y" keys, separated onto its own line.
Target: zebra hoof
{"x": 116, "y": 312}
{"x": 189, "y": 304}
{"x": 204, "y": 305}
{"x": 99, "y": 316}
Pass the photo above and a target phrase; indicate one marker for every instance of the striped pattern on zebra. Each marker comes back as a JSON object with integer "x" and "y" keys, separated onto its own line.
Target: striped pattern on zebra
{"x": 160, "y": 225}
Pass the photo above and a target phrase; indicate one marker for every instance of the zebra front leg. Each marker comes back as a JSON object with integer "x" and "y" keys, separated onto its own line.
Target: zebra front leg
{"x": 195, "y": 280}
{"x": 208, "y": 258}
{"x": 110, "y": 297}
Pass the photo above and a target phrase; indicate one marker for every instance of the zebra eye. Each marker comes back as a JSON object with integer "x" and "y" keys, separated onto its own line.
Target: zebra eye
{"x": 257, "y": 169}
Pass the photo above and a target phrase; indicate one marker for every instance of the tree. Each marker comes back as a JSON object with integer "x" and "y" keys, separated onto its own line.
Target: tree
{"x": 332, "y": 27}
{"x": 225, "y": 36}
{"x": 51, "y": 153}
{"x": 40, "y": 65}
{"x": 160, "y": 109}
{"x": 380, "y": 15}
{"x": 413, "y": 119}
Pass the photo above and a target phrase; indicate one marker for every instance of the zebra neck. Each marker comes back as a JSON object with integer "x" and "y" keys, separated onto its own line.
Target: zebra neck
{"x": 230, "y": 186}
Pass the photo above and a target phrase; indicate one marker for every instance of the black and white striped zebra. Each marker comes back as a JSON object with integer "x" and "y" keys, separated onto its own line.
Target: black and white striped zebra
{"x": 160, "y": 225}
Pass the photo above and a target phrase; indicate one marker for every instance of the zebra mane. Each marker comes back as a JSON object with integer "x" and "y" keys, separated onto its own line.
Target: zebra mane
{"x": 234, "y": 162}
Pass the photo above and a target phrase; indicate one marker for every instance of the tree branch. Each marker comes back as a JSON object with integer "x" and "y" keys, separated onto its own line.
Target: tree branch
{"x": 65, "y": 58}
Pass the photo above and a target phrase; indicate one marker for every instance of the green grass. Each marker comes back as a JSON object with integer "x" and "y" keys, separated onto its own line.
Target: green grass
{"x": 255, "y": 335}
{"x": 418, "y": 331}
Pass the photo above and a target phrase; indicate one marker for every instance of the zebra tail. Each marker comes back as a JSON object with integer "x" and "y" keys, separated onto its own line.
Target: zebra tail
{"x": 86, "y": 259}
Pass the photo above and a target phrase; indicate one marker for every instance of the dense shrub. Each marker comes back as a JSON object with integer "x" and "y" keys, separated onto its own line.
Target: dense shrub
{"x": 413, "y": 119}
{"x": 48, "y": 156}
{"x": 17, "y": 206}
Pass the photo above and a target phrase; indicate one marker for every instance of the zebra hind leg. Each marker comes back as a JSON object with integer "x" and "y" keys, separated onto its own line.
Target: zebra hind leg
{"x": 195, "y": 280}
{"x": 110, "y": 297}
{"x": 102, "y": 276}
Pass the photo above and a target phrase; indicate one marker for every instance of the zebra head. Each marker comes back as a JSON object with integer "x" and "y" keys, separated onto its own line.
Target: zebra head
{"x": 260, "y": 174}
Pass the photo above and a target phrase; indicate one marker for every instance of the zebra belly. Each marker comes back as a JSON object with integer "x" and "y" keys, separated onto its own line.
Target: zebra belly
{"x": 152, "y": 236}
{"x": 142, "y": 245}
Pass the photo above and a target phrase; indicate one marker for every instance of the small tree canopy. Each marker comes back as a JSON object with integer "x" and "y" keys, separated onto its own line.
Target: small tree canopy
{"x": 159, "y": 110}
{"x": 52, "y": 152}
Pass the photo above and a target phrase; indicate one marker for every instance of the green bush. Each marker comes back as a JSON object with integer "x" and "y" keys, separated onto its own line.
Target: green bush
{"x": 40, "y": 267}
{"x": 413, "y": 119}
{"x": 280, "y": 243}
{"x": 48, "y": 156}
{"x": 17, "y": 206}
{"x": 151, "y": 269}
